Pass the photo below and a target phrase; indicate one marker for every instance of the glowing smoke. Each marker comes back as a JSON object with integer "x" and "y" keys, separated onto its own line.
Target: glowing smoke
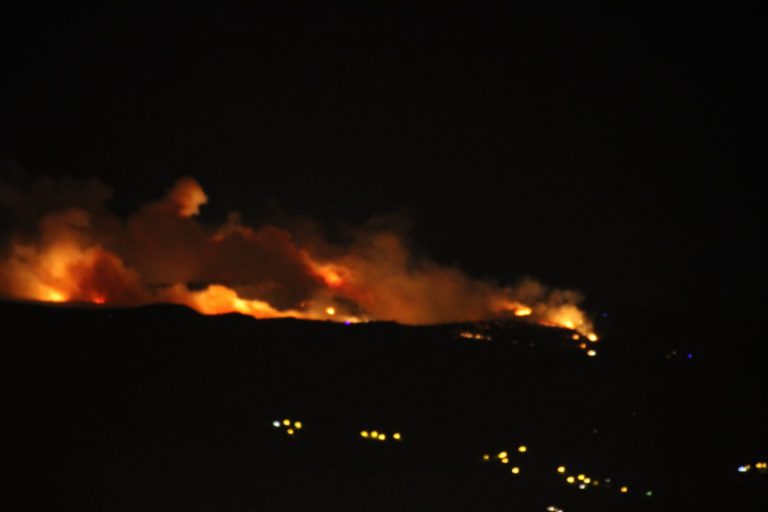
{"x": 67, "y": 246}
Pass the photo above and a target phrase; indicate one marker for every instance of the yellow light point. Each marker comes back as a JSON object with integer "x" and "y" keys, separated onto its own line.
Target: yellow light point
{"x": 570, "y": 480}
{"x": 569, "y": 324}
{"x": 523, "y": 311}
{"x": 364, "y": 433}
{"x": 505, "y": 460}
{"x": 592, "y": 337}
{"x": 297, "y": 425}
{"x": 522, "y": 448}
{"x": 330, "y": 311}
{"x": 502, "y": 455}
{"x": 582, "y": 346}
{"x": 515, "y": 470}
{"x": 587, "y": 480}
{"x": 486, "y": 457}
{"x": 561, "y": 469}
{"x": 374, "y": 433}
{"x": 624, "y": 489}
{"x": 286, "y": 422}
{"x": 396, "y": 436}
{"x": 290, "y": 431}
{"x": 580, "y": 477}
{"x": 575, "y": 337}
{"x": 382, "y": 437}
{"x": 591, "y": 353}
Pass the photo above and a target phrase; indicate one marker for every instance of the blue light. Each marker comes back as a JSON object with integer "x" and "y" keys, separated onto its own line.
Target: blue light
{"x": 689, "y": 356}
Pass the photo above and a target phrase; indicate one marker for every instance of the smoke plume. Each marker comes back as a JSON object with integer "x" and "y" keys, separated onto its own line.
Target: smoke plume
{"x": 66, "y": 246}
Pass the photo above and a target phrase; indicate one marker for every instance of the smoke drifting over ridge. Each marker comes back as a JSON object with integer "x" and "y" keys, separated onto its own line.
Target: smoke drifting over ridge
{"x": 66, "y": 246}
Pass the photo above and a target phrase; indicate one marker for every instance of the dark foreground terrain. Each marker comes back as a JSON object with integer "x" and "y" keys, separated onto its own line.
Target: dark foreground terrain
{"x": 159, "y": 408}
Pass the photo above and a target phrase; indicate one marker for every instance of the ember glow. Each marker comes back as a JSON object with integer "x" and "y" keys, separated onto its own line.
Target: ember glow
{"x": 70, "y": 248}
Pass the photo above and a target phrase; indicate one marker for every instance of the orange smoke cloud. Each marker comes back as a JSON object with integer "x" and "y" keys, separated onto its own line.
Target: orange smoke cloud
{"x": 76, "y": 250}
{"x": 187, "y": 195}
{"x": 64, "y": 265}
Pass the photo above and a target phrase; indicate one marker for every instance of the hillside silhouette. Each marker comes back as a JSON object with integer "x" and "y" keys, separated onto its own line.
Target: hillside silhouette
{"x": 160, "y": 408}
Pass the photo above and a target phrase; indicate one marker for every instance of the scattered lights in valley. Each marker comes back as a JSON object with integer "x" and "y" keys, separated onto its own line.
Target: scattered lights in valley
{"x": 581, "y": 481}
{"x": 511, "y": 460}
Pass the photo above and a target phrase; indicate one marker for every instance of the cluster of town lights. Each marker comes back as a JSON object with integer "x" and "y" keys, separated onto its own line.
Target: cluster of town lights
{"x": 290, "y": 427}
{"x": 581, "y": 480}
{"x": 584, "y": 481}
{"x": 503, "y": 458}
{"x": 377, "y": 435}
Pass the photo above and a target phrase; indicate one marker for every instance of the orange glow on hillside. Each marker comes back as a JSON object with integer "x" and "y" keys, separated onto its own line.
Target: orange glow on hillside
{"x": 54, "y": 296}
{"x": 164, "y": 254}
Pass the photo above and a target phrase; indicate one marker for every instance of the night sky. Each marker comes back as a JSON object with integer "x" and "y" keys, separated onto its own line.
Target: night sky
{"x": 612, "y": 149}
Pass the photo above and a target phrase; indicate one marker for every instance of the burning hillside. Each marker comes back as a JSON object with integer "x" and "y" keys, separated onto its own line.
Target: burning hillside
{"x": 67, "y": 246}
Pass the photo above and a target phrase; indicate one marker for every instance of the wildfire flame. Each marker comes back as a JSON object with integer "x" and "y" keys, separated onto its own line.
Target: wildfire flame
{"x": 75, "y": 250}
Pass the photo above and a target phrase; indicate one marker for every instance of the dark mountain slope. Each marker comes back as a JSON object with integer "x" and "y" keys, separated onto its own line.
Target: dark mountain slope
{"x": 159, "y": 408}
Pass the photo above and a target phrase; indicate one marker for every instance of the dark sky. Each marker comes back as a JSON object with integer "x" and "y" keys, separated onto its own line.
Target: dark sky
{"x": 611, "y": 148}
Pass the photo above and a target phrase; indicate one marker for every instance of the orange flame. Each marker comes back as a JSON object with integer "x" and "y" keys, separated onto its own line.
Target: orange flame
{"x": 162, "y": 253}
{"x": 54, "y": 296}
{"x": 331, "y": 275}
{"x": 523, "y": 311}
